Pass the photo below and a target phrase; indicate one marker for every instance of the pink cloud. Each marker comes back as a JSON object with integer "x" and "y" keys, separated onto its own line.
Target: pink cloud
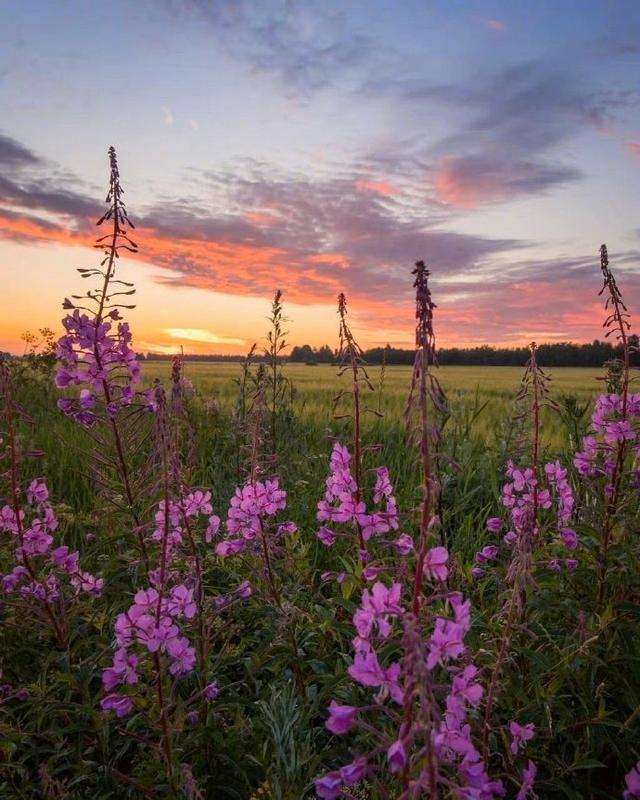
{"x": 377, "y": 187}
{"x": 633, "y": 148}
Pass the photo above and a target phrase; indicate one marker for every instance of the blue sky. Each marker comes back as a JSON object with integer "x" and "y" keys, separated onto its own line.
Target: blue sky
{"x": 318, "y": 147}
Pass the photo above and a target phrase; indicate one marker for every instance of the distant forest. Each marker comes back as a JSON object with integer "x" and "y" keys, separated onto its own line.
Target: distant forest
{"x": 559, "y": 354}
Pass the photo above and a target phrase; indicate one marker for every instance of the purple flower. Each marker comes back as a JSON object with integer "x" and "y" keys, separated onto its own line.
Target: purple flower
{"x": 435, "y": 563}
{"x": 403, "y": 544}
{"x": 120, "y": 704}
{"x": 366, "y": 669}
{"x": 212, "y": 691}
{"x": 37, "y": 492}
{"x": 510, "y": 538}
{"x": 632, "y": 780}
{"x": 569, "y": 538}
{"x": 341, "y": 718}
{"x": 486, "y": 554}
{"x": 212, "y": 528}
{"x": 181, "y": 602}
{"x": 478, "y": 572}
{"x": 183, "y": 657}
{"x": 354, "y": 772}
{"x": 494, "y": 524}
{"x": 528, "y": 778}
{"x": 326, "y": 536}
{"x": 520, "y": 734}
{"x": 397, "y": 757}
{"x": 447, "y": 642}
{"x": 123, "y": 670}
{"x": 329, "y": 786}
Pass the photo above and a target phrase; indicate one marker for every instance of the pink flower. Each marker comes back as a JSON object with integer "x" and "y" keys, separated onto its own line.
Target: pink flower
{"x": 447, "y": 642}
{"x": 521, "y": 734}
{"x": 403, "y": 544}
{"x": 464, "y": 685}
{"x": 197, "y": 502}
{"x": 494, "y": 524}
{"x": 181, "y": 602}
{"x": 123, "y": 670}
{"x": 183, "y": 657}
{"x": 528, "y": 778}
{"x": 212, "y": 690}
{"x": 632, "y": 779}
{"x": 341, "y": 718}
{"x": 435, "y": 563}
{"x": 37, "y": 492}
{"x": 212, "y": 528}
{"x": 326, "y": 536}
{"x": 486, "y": 554}
{"x": 366, "y": 670}
{"x": 329, "y": 786}
{"x": 354, "y": 772}
{"x": 120, "y": 704}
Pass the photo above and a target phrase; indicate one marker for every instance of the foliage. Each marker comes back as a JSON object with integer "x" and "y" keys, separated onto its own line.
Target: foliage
{"x": 193, "y": 605}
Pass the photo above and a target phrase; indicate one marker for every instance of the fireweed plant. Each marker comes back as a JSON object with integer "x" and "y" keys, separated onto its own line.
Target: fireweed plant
{"x": 47, "y": 577}
{"x": 536, "y": 536}
{"x": 294, "y": 649}
{"x": 96, "y": 359}
{"x": 609, "y": 459}
{"x": 409, "y": 646}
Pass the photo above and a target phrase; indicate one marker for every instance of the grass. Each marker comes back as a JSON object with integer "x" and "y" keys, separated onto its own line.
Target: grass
{"x": 316, "y": 386}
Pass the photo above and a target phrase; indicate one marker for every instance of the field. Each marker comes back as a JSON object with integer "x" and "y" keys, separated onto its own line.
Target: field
{"x": 481, "y": 401}
{"x": 218, "y": 583}
{"x": 316, "y": 387}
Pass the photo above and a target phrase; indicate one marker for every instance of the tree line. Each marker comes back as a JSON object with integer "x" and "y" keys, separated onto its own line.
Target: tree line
{"x": 557, "y": 354}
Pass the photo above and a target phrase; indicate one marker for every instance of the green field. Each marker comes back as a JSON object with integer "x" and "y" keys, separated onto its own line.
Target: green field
{"x": 316, "y": 386}
{"x": 481, "y": 402}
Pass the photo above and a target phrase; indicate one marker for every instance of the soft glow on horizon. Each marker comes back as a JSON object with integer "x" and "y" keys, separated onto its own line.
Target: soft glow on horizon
{"x": 255, "y": 161}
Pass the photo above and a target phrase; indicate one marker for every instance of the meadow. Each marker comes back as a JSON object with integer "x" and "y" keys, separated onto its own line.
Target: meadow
{"x": 245, "y": 581}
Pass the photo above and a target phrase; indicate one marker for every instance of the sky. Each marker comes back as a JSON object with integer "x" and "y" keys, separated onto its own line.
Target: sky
{"x": 316, "y": 147}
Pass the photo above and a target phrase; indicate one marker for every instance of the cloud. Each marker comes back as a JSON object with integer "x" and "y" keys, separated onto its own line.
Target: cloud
{"x": 470, "y": 181}
{"x": 169, "y": 119}
{"x": 508, "y": 127}
{"x": 633, "y": 148}
{"x": 303, "y": 49}
{"x": 201, "y": 336}
{"x": 316, "y": 237}
{"x": 25, "y": 184}
{"x": 15, "y": 155}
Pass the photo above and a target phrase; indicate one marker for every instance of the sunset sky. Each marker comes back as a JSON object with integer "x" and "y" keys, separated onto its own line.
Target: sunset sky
{"x": 319, "y": 147}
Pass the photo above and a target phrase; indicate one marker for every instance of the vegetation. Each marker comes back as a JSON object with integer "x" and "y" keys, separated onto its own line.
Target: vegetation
{"x": 274, "y": 581}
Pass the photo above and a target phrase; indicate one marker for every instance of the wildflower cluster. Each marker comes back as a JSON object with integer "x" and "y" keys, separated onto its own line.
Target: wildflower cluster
{"x": 39, "y": 565}
{"x": 420, "y": 712}
{"x": 342, "y": 506}
{"x": 613, "y": 427}
{"x": 525, "y": 496}
{"x": 251, "y": 513}
{"x": 100, "y": 360}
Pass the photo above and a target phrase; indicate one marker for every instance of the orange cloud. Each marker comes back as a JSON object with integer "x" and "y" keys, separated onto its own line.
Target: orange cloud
{"x": 633, "y": 148}
{"x": 260, "y": 217}
{"x": 377, "y": 187}
{"x": 456, "y": 188}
